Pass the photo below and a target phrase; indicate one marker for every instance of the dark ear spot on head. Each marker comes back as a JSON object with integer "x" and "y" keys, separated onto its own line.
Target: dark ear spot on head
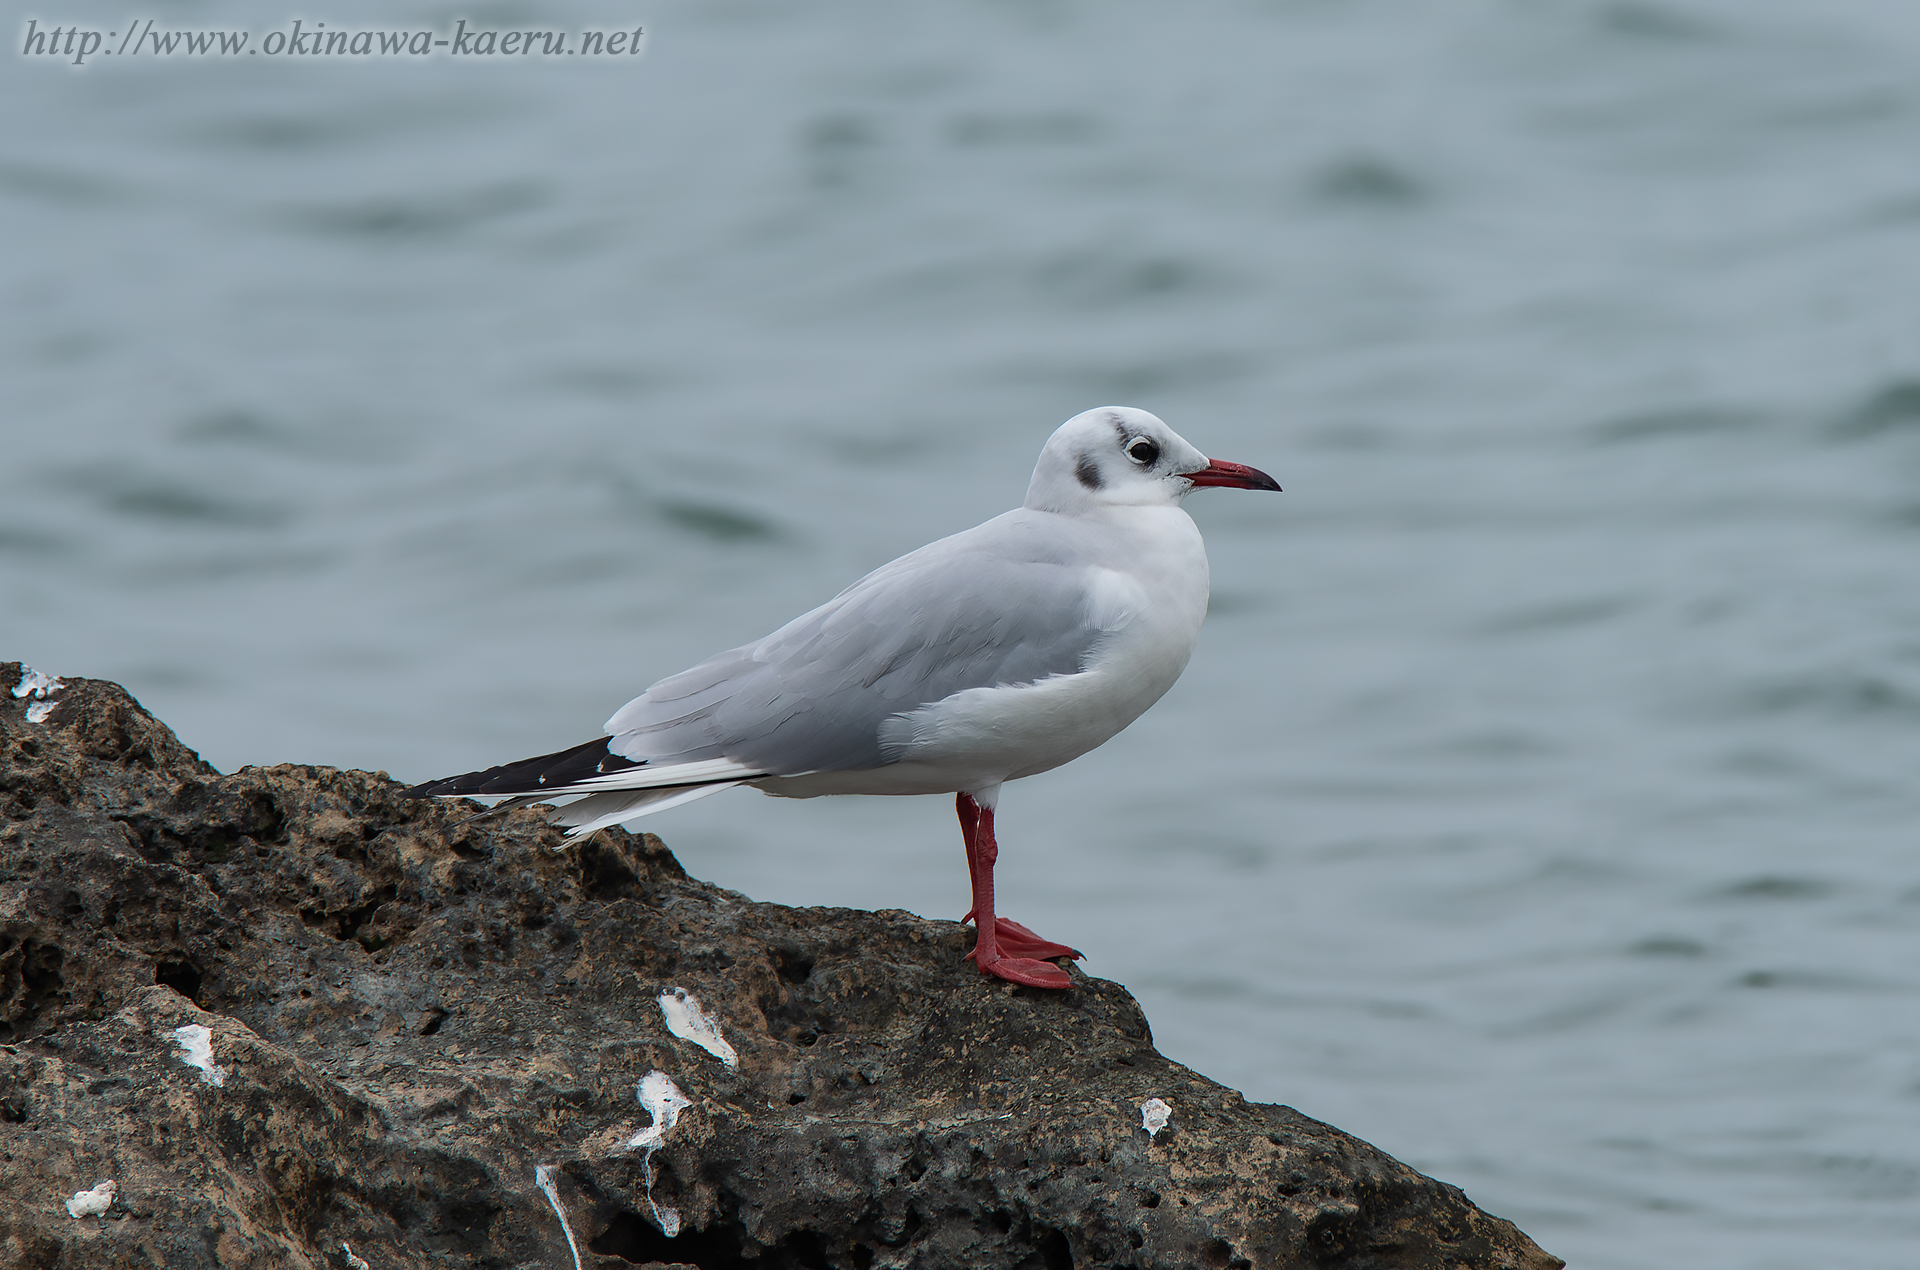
{"x": 1088, "y": 471}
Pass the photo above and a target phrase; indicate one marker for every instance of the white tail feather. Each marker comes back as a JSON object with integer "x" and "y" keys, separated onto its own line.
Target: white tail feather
{"x": 597, "y": 811}
{"x": 649, "y": 777}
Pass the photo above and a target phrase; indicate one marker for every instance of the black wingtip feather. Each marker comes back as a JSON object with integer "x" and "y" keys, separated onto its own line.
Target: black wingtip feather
{"x": 548, "y": 772}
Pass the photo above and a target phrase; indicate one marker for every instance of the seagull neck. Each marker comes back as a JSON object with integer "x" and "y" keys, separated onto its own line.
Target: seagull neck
{"x": 1149, "y": 518}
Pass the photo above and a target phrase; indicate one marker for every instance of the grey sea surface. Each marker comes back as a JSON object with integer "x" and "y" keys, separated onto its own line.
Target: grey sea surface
{"x": 1541, "y": 801}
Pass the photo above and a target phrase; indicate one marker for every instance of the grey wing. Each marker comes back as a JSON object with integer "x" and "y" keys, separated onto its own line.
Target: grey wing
{"x": 811, "y": 696}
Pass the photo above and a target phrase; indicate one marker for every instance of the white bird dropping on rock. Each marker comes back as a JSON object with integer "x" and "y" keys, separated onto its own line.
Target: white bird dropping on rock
{"x": 663, "y": 1101}
{"x": 357, "y": 1263}
{"x": 40, "y": 685}
{"x": 687, "y": 1020}
{"x": 196, "y": 1050}
{"x": 542, "y": 1178}
{"x": 94, "y": 1202}
{"x": 1154, "y": 1115}
{"x": 36, "y": 683}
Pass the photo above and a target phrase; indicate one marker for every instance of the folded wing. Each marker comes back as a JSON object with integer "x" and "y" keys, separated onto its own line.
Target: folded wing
{"x": 984, "y": 608}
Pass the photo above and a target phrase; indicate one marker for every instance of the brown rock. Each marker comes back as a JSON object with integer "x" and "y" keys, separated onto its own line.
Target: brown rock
{"x": 415, "y": 1020}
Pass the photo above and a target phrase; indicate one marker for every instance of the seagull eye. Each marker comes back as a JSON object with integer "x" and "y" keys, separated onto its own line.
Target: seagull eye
{"x": 1143, "y": 452}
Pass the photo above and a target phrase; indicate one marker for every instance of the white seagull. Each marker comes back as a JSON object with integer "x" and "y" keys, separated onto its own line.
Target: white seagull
{"x": 1000, "y": 652}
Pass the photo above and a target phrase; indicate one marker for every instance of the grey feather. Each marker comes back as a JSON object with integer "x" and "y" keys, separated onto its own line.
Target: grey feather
{"x": 1004, "y": 603}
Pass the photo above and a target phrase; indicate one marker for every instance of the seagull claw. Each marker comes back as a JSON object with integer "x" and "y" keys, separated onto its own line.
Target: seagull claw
{"x": 1016, "y": 940}
{"x": 1034, "y": 974}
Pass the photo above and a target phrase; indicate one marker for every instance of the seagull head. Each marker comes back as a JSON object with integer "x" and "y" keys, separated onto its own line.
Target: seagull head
{"x": 1119, "y": 456}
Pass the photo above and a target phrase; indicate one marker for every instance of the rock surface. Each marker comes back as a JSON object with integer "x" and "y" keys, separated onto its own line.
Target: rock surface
{"x": 300, "y": 1022}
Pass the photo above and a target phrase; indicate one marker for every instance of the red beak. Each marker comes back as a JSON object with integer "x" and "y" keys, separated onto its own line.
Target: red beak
{"x": 1233, "y": 476}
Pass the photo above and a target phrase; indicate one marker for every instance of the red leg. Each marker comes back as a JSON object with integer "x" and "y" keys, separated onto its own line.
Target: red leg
{"x": 1004, "y": 948}
{"x": 1012, "y": 938}
{"x": 969, "y": 827}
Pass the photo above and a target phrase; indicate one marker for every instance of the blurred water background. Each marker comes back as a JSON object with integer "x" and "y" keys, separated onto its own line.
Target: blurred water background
{"x": 1540, "y": 804}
